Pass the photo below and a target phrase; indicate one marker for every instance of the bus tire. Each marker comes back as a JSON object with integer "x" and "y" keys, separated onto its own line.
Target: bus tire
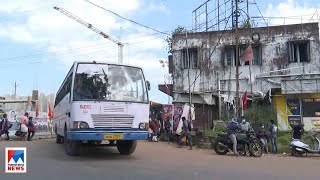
{"x": 72, "y": 148}
{"x": 126, "y": 147}
{"x": 59, "y": 139}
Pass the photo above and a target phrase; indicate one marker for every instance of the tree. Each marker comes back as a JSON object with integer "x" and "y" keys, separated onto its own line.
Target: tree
{"x": 179, "y": 29}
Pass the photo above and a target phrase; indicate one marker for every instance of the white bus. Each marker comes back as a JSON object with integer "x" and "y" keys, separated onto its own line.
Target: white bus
{"x": 102, "y": 101}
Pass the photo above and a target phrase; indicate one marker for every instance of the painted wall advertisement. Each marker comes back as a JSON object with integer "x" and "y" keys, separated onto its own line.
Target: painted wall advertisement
{"x": 311, "y": 123}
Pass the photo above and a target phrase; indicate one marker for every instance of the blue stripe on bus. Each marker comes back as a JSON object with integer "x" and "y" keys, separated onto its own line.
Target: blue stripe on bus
{"x": 100, "y": 136}
{"x": 108, "y": 129}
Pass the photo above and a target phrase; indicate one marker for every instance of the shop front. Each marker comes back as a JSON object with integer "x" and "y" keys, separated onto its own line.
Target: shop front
{"x": 293, "y": 109}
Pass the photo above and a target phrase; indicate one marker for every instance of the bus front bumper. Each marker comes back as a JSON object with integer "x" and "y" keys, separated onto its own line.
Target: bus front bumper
{"x": 107, "y": 135}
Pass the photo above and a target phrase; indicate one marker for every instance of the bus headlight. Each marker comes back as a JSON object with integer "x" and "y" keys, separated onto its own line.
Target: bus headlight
{"x": 142, "y": 126}
{"x": 83, "y": 125}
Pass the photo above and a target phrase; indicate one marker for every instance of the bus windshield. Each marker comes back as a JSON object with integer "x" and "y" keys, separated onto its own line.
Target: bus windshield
{"x": 109, "y": 82}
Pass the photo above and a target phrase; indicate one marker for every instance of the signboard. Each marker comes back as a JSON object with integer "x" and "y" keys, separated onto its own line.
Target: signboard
{"x": 294, "y": 120}
{"x": 294, "y": 111}
{"x": 293, "y": 107}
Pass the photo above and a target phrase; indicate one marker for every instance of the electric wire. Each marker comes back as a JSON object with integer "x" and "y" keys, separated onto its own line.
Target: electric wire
{"x": 116, "y": 14}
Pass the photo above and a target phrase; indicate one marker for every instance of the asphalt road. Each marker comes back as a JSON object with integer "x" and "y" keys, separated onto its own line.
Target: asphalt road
{"x": 47, "y": 160}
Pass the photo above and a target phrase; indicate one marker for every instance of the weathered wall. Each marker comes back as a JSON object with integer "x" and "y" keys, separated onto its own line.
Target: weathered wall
{"x": 274, "y": 48}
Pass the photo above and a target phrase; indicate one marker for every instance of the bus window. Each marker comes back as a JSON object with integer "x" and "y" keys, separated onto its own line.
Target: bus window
{"x": 109, "y": 82}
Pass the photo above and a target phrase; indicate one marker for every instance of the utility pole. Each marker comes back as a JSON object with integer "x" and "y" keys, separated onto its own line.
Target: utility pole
{"x": 188, "y": 59}
{"x": 15, "y": 89}
{"x": 237, "y": 62}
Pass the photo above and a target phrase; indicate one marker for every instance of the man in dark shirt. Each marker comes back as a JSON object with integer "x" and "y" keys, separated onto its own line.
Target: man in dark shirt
{"x": 233, "y": 128}
{"x": 297, "y": 131}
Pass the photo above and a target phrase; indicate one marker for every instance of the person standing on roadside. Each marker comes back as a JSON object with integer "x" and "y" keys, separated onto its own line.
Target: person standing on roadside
{"x": 31, "y": 130}
{"x": 5, "y": 126}
{"x": 23, "y": 125}
{"x": 297, "y": 131}
{"x": 273, "y": 131}
{"x": 262, "y": 135}
{"x": 167, "y": 127}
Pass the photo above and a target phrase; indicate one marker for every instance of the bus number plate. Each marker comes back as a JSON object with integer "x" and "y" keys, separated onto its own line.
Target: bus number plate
{"x": 113, "y": 136}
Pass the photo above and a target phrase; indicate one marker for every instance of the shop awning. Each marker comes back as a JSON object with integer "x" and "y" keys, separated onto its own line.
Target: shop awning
{"x": 196, "y": 98}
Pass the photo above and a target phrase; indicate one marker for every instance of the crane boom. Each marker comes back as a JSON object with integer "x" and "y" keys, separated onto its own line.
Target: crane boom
{"x": 90, "y": 26}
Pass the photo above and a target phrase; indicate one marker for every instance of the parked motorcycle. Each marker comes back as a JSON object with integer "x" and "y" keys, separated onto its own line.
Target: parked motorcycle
{"x": 298, "y": 147}
{"x": 246, "y": 143}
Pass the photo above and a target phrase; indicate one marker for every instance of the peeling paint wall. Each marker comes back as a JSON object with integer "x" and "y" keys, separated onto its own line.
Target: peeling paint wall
{"x": 274, "y": 56}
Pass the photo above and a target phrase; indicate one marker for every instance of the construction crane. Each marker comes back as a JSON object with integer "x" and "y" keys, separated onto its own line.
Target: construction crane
{"x": 88, "y": 25}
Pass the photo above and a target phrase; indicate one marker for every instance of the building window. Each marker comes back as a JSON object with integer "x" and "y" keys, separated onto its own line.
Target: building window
{"x": 311, "y": 107}
{"x": 193, "y": 58}
{"x": 230, "y": 55}
{"x": 299, "y": 51}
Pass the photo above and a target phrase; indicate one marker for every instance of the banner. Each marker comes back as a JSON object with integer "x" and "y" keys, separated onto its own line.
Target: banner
{"x": 167, "y": 111}
{"x": 177, "y": 113}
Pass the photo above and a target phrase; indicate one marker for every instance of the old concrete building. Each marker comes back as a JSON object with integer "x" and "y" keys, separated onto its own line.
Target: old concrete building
{"x": 286, "y": 67}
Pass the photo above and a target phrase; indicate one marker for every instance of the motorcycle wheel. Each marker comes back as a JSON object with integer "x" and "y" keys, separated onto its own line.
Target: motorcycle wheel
{"x": 296, "y": 153}
{"x": 220, "y": 146}
{"x": 255, "y": 148}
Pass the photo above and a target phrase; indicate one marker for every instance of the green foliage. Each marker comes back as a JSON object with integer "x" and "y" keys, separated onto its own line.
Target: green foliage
{"x": 179, "y": 29}
{"x": 248, "y": 24}
{"x": 261, "y": 113}
{"x": 245, "y": 24}
{"x": 284, "y": 140}
{"x": 283, "y": 133}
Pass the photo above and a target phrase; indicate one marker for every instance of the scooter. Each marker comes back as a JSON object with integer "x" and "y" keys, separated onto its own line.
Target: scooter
{"x": 299, "y": 147}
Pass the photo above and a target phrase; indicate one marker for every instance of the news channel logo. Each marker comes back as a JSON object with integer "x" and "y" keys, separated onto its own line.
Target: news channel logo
{"x": 16, "y": 160}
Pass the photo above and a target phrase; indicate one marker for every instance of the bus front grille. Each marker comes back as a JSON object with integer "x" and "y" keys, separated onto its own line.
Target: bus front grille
{"x": 112, "y": 120}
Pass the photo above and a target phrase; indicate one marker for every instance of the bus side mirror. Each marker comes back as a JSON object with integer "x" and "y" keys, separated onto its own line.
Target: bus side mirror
{"x": 148, "y": 85}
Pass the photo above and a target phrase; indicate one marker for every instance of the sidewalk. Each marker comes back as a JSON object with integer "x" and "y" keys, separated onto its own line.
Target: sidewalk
{"x": 37, "y": 136}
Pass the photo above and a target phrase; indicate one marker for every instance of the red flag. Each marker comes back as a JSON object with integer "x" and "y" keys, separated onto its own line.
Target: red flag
{"x": 167, "y": 88}
{"x": 247, "y": 55}
{"x": 37, "y": 110}
{"x": 244, "y": 100}
{"x": 50, "y": 114}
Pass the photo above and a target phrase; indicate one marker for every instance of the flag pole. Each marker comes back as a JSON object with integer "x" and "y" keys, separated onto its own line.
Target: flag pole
{"x": 252, "y": 95}
{"x": 242, "y": 110}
